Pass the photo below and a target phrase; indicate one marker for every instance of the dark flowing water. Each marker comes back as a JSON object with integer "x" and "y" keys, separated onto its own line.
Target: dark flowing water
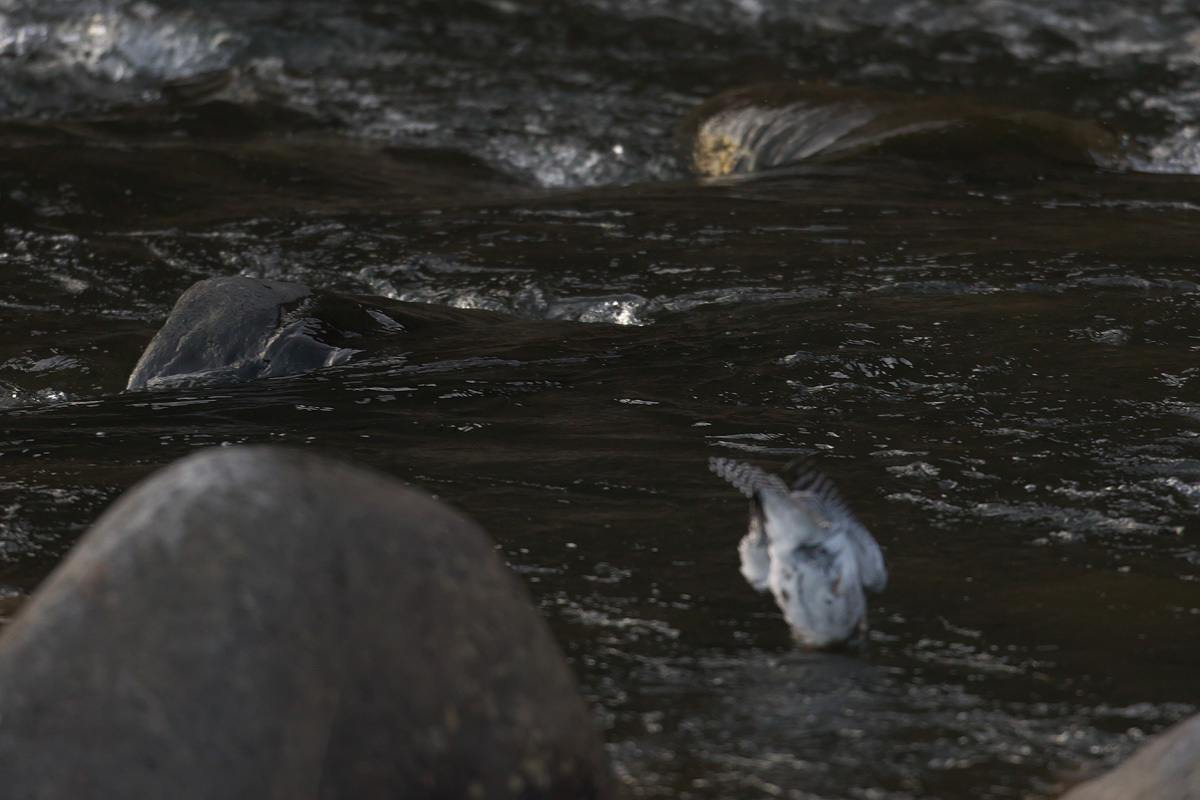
{"x": 997, "y": 361}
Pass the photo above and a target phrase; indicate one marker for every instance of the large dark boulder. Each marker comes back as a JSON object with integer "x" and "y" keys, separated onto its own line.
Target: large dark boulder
{"x": 229, "y": 329}
{"x": 235, "y": 329}
{"x": 262, "y": 623}
{"x": 1168, "y": 768}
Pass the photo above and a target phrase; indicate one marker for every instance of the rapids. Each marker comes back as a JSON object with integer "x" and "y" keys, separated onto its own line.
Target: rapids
{"x": 996, "y": 360}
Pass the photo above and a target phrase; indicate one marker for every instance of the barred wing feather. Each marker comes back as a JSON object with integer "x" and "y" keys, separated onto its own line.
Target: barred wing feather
{"x": 747, "y": 478}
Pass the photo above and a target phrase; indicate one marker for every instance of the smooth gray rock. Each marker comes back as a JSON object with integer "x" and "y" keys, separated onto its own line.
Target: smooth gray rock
{"x": 235, "y": 329}
{"x": 254, "y": 622}
{"x": 224, "y": 330}
{"x": 1168, "y": 768}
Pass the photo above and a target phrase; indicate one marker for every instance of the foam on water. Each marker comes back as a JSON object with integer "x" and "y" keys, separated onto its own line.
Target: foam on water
{"x": 71, "y": 57}
{"x": 586, "y": 122}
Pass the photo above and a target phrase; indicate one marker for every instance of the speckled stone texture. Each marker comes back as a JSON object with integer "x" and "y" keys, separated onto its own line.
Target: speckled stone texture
{"x": 1168, "y": 768}
{"x": 254, "y": 622}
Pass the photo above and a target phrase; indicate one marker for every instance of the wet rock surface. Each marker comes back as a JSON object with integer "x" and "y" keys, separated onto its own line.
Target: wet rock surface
{"x": 261, "y": 622}
{"x": 227, "y": 330}
{"x": 232, "y": 329}
{"x": 1167, "y": 768}
{"x": 776, "y": 124}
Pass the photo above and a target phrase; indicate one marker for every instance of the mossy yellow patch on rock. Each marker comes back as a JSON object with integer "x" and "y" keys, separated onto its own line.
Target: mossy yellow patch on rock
{"x": 776, "y": 124}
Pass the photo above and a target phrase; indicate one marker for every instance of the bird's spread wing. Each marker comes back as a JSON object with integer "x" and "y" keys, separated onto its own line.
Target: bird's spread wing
{"x": 870, "y": 558}
{"x": 788, "y": 518}
{"x": 802, "y": 476}
{"x": 754, "y": 553}
{"x": 747, "y": 478}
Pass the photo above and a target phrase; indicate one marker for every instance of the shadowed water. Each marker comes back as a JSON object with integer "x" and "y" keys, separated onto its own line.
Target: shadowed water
{"x": 994, "y": 359}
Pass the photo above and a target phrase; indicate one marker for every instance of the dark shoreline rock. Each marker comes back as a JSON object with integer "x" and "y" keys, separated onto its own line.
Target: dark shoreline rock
{"x": 262, "y": 623}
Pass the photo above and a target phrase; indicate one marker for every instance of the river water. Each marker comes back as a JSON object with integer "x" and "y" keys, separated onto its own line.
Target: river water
{"x": 995, "y": 359}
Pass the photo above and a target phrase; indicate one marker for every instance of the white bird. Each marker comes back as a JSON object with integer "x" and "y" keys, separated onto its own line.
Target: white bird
{"x": 806, "y": 548}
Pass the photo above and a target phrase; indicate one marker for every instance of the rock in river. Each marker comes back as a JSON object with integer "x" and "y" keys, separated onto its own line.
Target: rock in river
{"x": 233, "y": 329}
{"x": 776, "y": 124}
{"x": 261, "y": 623}
{"x": 224, "y": 330}
{"x": 1168, "y": 768}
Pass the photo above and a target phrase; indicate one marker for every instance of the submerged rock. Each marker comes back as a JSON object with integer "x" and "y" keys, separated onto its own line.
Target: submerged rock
{"x": 1168, "y": 768}
{"x": 224, "y": 330}
{"x": 235, "y": 329}
{"x": 262, "y": 623}
{"x": 775, "y": 124}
